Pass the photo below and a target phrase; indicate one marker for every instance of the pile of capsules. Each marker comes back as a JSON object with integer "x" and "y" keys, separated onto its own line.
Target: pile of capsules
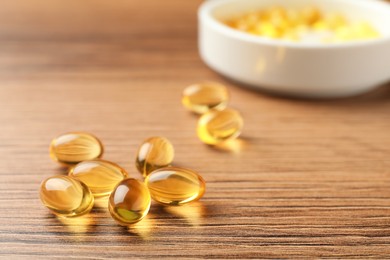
{"x": 308, "y": 24}
{"x": 90, "y": 177}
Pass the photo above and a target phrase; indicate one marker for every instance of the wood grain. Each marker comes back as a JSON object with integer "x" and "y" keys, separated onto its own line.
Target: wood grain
{"x": 307, "y": 178}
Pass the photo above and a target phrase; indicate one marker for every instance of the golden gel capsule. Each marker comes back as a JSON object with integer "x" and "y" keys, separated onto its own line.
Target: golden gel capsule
{"x": 65, "y": 196}
{"x": 72, "y": 148}
{"x": 215, "y": 127}
{"x": 154, "y": 153}
{"x": 200, "y": 98}
{"x": 175, "y": 186}
{"x": 129, "y": 202}
{"x": 100, "y": 176}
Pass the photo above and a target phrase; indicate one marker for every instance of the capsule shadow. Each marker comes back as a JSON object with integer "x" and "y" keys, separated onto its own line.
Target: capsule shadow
{"x": 192, "y": 213}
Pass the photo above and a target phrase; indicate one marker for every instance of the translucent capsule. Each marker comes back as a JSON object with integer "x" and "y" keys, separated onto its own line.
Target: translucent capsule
{"x": 154, "y": 153}
{"x": 218, "y": 126}
{"x": 200, "y": 98}
{"x": 72, "y": 148}
{"x": 129, "y": 202}
{"x": 100, "y": 176}
{"x": 65, "y": 196}
{"x": 175, "y": 186}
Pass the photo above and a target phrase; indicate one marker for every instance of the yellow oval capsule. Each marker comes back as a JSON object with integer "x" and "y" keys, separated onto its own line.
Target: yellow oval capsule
{"x": 129, "y": 202}
{"x": 216, "y": 127}
{"x": 154, "y": 153}
{"x": 100, "y": 176}
{"x": 65, "y": 196}
{"x": 72, "y": 148}
{"x": 200, "y": 98}
{"x": 175, "y": 186}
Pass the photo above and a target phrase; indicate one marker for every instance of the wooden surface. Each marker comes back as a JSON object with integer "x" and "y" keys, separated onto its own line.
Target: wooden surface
{"x": 306, "y": 179}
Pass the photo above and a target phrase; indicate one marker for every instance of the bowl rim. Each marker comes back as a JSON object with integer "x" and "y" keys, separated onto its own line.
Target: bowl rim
{"x": 204, "y": 15}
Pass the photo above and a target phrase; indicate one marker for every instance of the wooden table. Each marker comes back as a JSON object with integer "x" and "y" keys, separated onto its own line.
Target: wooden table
{"x": 307, "y": 178}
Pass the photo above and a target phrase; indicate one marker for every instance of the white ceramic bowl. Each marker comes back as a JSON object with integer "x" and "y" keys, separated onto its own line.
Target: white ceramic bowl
{"x": 296, "y": 68}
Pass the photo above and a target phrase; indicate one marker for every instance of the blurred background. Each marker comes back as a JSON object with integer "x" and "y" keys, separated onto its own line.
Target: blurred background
{"x": 96, "y": 37}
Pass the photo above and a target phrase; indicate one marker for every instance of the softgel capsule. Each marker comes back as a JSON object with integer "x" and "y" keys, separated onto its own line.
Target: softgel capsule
{"x": 65, "y": 196}
{"x": 154, "y": 153}
{"x": 202, "y": 97}
{"x": 129, "y": 202}
{"x": 99, "y": 175}
{"x": 216, "y": 127}
{"x": 72, "y": 148}
{"x": 175, "y": 185}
